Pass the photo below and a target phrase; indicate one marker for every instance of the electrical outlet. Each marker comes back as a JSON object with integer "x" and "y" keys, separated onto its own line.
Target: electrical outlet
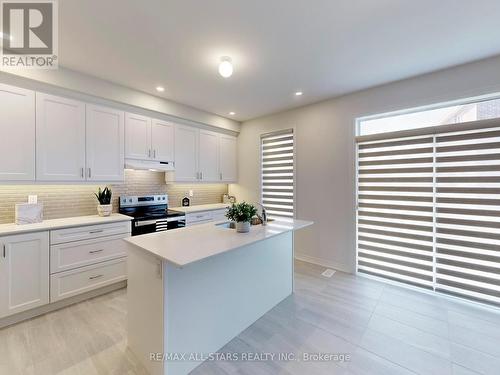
{"x": 191, "y": 193}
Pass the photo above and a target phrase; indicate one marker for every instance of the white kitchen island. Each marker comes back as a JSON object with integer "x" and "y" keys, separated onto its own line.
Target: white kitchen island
{"x": 192, "y": 290}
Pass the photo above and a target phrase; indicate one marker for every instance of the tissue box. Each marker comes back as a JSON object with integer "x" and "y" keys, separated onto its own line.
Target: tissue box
{"x": 29, "y": 213}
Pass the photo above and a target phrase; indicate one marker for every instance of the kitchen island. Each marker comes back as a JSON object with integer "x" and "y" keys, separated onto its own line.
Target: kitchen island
{"x": 192, "y": 290}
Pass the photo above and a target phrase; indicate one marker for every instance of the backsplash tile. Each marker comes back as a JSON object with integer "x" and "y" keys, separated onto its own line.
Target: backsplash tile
{"x": 78, "y": 200}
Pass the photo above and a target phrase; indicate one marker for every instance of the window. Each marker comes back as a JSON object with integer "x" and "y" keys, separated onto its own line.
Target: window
{"x": 472, "y": 110}
{"x": 429, "y": 210}
{"x": 277, "y": 173}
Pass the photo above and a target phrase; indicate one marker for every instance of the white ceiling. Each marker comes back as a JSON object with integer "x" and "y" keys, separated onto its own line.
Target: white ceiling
{"x": 324, "y": 48}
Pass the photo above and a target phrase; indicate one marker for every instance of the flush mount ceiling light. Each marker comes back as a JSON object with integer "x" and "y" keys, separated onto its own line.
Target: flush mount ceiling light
{"x": 232, "y": 113}
{"x": 160, "y": 88}
{"x": 299, "y": 93}
{"x": 226, "y": 67}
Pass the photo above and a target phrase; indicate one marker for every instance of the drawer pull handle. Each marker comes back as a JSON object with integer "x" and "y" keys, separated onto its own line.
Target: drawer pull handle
{"x": 96, "y": 251}
{"x": 95, "y": 277}
{"x": 95, "y": 231}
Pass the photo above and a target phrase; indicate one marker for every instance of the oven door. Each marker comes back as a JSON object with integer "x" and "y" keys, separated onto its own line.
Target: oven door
{"x": 176, "y": 222}
{"x": 143, "y": 226}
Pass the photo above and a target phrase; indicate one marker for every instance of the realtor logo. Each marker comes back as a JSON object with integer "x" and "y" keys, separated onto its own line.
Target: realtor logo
{"x": 29, "y": 34}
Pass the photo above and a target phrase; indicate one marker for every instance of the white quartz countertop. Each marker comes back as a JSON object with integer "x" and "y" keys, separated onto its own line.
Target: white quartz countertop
{"x": 201, "y": 207}
{"x": 191, "y": 244}
{"x": 77, "y": 221}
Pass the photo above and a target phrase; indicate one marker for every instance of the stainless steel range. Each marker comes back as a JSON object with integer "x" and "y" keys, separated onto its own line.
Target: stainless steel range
{"x": 151, "y": 214}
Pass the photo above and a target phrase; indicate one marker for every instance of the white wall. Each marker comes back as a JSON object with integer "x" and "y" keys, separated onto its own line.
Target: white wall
{"x": 81, "y": 86}
{"x": 326, "y": 152}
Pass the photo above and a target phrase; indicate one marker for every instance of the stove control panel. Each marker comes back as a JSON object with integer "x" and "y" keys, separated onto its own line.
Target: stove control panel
{"x": 146, "y": 200}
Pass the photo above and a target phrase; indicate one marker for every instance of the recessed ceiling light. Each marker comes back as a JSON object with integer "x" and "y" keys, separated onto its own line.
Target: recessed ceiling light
{"x": 226, "y": 67}
{"x": 160, "y": 88}
{"x": 299, "y": 93}
{"x": 232, "y": 113}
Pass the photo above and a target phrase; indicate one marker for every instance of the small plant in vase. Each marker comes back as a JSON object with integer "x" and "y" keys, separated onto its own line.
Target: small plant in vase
{"x": 242, "y": 214}
{"x": 104, "y": 208}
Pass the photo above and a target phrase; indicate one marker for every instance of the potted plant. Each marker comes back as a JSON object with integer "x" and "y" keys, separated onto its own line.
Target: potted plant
{"x": 104, "y": 208}
{"x": 242, "y": 214}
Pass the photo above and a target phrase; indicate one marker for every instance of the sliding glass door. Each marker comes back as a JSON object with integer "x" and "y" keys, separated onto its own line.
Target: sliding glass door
{"x": 429, "y": 209}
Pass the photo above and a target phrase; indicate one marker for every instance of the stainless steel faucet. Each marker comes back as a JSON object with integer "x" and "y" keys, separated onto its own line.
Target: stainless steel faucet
{"x": 263, "y": 215}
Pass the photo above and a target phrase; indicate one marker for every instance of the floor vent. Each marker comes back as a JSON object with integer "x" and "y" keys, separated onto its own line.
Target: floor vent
{"x": 328, "y": 272}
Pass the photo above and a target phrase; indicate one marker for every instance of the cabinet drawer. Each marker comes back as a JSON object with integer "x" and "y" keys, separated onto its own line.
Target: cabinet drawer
{"x": 88, "y": 232}
{"x": 198, "y": 217}
{"x": 219, "y": 215}
{"x": 81, "y": 280}
{"x": 71, "y": 255}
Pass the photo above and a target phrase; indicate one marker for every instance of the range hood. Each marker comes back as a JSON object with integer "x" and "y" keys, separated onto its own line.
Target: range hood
{"x": 151, "y": 165}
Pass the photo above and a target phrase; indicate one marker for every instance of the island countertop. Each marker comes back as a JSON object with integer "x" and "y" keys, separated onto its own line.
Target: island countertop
{"x": 191, "y": 244}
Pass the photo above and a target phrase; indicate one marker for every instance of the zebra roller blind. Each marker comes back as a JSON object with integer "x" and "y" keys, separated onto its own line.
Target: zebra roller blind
{"x": 277, "y": 178}
{"x": 429, "y": 211}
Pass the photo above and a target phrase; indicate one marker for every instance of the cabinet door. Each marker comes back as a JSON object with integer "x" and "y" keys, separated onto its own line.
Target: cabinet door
{"x": 60, "y": 139}
{"x": 105, "y": 144}
{"x": 24, "y": 272}
{"x": 228, "y": 158}
{"x": 137, "y": 137}
{"x": 186, "y": 153}
{"x": 17, "y": 134}
{"x": 162, "y": 140}
{"x": 209, "y": 156}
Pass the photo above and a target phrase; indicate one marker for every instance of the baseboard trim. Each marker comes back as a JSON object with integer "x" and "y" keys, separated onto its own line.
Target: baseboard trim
{"x": 323, "y": 263}
{"x": 25, "y": 315}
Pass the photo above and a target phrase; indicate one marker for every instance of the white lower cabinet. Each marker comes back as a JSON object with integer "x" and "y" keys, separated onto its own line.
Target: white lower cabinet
{"x": 84, "y": 279}
{"x": 219, "y": 215}
{"x": 24, "y": 272}
{"x": 72, "y": 255}
{"x": 87, "y": 258}
{"x": 195, "y": 218}
{"x": 198, "y": 218}
{"x": 65, "y": 262}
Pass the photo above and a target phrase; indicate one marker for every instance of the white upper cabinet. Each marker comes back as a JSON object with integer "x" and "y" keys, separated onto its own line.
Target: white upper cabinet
{"x": 162, "y": 140}
{"x": 186, "y": 154}
{"x": 228, "y": 158}
{"x": 208, "y": 156}
{"x": 24, "y": 272}
{"x": 60, "y": 139}
{"x": 51, "y": 138}
{"x": 204, "y": 156}
{"x": 105, "y": 135}
{"x": 138, "y": 137}
{"x": 17, "y": 134}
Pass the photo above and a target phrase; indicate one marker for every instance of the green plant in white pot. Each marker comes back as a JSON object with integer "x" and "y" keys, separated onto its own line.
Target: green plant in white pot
{"x": 242, "y": 214}
{"x": 104, "y": 208}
